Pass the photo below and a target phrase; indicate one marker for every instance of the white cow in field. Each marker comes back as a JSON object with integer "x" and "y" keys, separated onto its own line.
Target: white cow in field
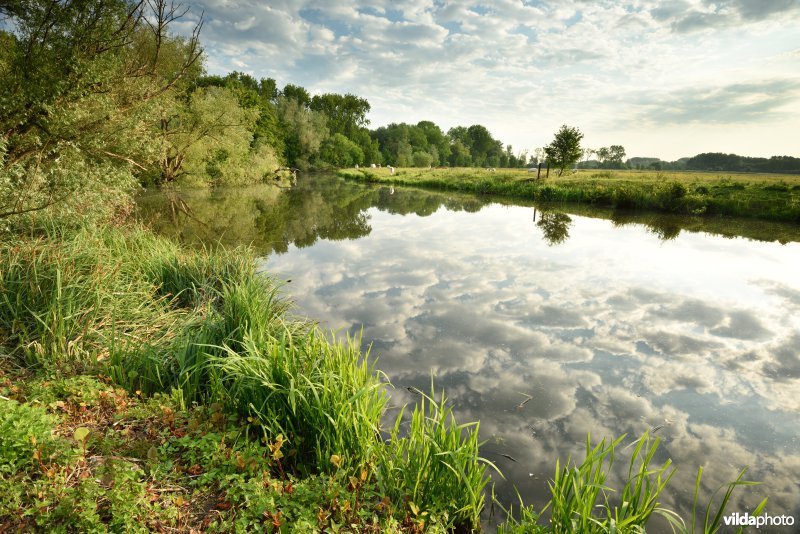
{"x": 391, "y": 171}
{"x": 373, "y": 165}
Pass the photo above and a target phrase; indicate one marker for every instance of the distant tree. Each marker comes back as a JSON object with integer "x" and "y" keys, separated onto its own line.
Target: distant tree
{"x": 304, "y": 131}
{"x": 511, "y": 160}
{"x": 616, "y": 155}
{"x": 459, "y": 155}
{"x": 369, "y": 146}
{"x": 297, "y": 93}
{"x": 345, "y": 113}
{"x": 460, "y": 133}
{"x": 602, "y": 153}
{"x": 405, "y": 154}
{"x": 422, "y": 159}
{"x": 436, "y": 139}
{"x": 715, "y": 161}
{"x": 340, "y": 151}
{"x": 565, "y": 149}
{"x": 482, "y": 144}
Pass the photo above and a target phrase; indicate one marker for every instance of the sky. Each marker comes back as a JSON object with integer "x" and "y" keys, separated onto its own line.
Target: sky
{"x": 663, "y": 78}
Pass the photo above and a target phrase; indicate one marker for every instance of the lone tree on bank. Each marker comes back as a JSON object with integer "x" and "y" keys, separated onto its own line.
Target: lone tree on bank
{"x": 565, "y": 150}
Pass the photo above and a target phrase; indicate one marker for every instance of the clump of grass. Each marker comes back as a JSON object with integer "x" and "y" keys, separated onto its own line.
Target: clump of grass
{"x": 435, "y": 465}
{"x": 583, "y": 502}
{"x": 321, "y": 395}
{"x": 579, "y": 491}
{"x": 67, "y": 299}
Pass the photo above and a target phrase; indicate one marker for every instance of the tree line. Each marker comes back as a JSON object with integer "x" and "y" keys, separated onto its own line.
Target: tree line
{"x": 99, "y": 95}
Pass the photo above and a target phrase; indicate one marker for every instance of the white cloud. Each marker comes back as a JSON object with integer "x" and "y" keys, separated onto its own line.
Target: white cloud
{"x": 523, "y": 70}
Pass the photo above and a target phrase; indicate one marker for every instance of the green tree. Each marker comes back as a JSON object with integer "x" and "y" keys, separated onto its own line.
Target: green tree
{"x": 80, "y": 80}
{"x": 459, "y": 155}
{"x": 304, "y": 131}
{"x": 436, "y": 140}
{"x": 254, "y": 94}
{"x": 345, "y": 114}
{"x": 339, "y": 151}
{"x": 565, "y": 149}
{"x": 422, "y": 159}
{"x": 398, "y": 142}
{"x": 616, "y": 155}
{"x": 481, "y": 144}
{"x": 297, "y": 93}
{"x": 369, "y": 146}
{"x": 209, "y": 139}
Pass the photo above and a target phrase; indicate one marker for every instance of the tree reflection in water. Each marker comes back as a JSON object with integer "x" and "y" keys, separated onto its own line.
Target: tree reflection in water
{"x": 554, "y": 225}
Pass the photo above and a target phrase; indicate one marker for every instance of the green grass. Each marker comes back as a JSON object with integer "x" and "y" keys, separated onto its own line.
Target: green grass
{"x": 582, "y": 501}
{"x": 205, "y": 330}
{"x": 435, "y": 465}
{"x": 764, "y": 196}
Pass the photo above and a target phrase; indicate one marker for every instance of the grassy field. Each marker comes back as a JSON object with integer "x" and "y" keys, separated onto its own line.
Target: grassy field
{"x": 763, "y": 196}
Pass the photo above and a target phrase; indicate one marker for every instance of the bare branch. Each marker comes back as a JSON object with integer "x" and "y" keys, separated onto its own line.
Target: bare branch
{"x": 119, "y": 156}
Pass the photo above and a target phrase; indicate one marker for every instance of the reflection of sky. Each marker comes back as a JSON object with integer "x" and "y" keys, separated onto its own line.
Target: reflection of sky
{"x": 611, "y": 331}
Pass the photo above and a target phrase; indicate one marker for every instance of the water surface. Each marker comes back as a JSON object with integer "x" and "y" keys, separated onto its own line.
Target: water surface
{"x": 612, "y": 324}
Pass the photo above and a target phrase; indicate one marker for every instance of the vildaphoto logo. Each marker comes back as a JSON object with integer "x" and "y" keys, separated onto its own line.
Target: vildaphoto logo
{"x": 758, "y": 521}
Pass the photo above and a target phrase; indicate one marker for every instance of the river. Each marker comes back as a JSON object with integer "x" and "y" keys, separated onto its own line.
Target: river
{"x": 547, "y": 323}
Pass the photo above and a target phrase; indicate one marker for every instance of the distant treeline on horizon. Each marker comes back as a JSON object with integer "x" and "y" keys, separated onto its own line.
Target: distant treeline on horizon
{"x": 716, "y": 161}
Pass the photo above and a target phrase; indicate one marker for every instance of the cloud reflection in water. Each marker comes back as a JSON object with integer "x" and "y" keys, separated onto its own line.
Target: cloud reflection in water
{"x": 608, "y": 326}
{"x": 609, "y": 331}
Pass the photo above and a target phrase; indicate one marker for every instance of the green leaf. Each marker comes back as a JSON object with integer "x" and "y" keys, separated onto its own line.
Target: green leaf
{"x": 81, "y": 434}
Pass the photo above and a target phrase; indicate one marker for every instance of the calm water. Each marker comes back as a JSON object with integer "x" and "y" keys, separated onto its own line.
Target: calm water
{"x": 609, "y": 325}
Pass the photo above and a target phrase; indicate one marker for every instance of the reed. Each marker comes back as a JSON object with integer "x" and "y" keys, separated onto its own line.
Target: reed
{"x": 65, "y": 301}
{"x": 320, "y": 395}
{"x": 435, "y": 465}
{"x": 582, "y": 501}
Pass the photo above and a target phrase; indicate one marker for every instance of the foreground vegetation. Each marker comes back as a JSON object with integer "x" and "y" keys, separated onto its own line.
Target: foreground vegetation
{"x": 182, "y": 395}
{"x": 772, "y": 197}
{"x": 147, "y": 387}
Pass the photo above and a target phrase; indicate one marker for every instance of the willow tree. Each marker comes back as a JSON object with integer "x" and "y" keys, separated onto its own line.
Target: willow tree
{"x": 79, "y": 79}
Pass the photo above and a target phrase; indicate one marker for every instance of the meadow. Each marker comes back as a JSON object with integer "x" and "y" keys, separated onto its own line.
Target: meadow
{"x": 763, "y": 196}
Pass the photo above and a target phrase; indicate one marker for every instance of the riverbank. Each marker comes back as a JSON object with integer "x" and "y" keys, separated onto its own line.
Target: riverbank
{"x": 763, "y": 196}
{"x": 149, "y": 387}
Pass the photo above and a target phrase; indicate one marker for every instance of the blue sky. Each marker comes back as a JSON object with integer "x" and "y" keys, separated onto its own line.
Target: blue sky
{"x": 664, "y": 78}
